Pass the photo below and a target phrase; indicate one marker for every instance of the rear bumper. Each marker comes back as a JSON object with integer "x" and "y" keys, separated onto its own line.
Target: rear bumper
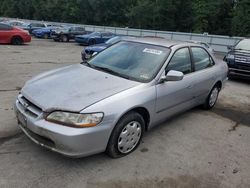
{"x": 68, "y": 141}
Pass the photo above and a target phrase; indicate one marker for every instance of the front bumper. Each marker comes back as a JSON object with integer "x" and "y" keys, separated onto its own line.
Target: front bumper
{"x": 27, "y": 38}
{"x": 55, "y": 36}
{"x": 86, "y": 56}
{"x": 234, "y": 72}
{"x": 68, "y": 141}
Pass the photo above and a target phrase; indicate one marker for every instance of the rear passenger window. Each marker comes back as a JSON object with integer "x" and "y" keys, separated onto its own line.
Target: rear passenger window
{"x": 180, "y": 62}
{"x": 201, "y": 58}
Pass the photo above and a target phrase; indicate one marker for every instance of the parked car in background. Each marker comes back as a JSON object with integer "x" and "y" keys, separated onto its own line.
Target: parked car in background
{"x": 107, "y": 103}
{"x": 15, "y": 23}
{"x": 44, "y": 33}
{"x": 32, "y": 26}
{"x": 204, "y": 44}
{"x": 94, "y": 49}
{"x": 67, "y": 33}
{"x": 2, "y": 20}
{"x": 13, "y": 35}
{"x": 238, "y": 59}
{"x": 94, "y": 38}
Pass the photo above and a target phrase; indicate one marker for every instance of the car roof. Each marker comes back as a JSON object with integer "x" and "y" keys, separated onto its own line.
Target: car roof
{"x": 160, "y": 41}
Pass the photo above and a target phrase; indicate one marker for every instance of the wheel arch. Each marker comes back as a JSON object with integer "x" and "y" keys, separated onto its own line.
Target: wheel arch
{"x": 16, "y": 36}
{"x": 140, "y": 110}
{"x": 219, "y": 84}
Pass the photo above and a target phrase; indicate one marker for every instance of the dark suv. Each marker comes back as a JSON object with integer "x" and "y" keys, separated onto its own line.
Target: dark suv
{"x": 65, "y": 34}
{"x": 238, "y": 59}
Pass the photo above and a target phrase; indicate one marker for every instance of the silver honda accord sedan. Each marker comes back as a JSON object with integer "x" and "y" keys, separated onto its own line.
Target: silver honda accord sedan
{"x": 107, "y": 103}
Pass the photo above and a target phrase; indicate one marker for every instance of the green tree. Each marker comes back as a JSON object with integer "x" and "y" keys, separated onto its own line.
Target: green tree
{"x": 241, "y": 19}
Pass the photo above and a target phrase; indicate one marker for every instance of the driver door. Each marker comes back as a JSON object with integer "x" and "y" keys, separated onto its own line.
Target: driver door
{"x": 176, "y": 96}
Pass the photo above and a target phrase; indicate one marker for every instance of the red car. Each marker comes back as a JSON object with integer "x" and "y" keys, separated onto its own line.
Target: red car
{"x": 13, "y": 35}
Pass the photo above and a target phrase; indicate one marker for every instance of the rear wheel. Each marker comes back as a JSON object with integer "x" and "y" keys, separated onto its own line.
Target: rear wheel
{"x": 92, "y": 41}
{"x": 64, "y": 38}
{"x": 126, "y": 135}
{"x": 212, "y": 97}
{"x": 16, "y": 40}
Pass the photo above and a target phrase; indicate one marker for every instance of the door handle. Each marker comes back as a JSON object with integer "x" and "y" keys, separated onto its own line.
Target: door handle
{"x": 189, "y": 87}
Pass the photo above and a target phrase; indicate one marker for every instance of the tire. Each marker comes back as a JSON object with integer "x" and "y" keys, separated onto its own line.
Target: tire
{"x": 64, "y": 38}
{"x": 212, "y": 98}
{"x": 16, "y": 40}
{"x": 92, "y": 42}
{"x": 45, "y": 36}
{"x": 126, "y": 135}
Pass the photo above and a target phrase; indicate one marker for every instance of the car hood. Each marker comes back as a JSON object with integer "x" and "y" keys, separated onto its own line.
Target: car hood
{"x": 97, "y": 47}
{"x": 73, "y": 88}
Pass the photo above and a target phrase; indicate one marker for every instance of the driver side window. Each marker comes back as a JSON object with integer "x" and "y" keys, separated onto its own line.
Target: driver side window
{"x": 180, "y": 61}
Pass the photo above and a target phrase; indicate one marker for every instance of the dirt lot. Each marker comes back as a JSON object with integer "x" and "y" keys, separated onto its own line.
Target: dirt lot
{"x": 195, "y": 149}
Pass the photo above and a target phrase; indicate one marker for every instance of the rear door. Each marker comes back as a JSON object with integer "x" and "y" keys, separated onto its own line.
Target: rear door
{"x": 175, "y": 96}
{"x": 204, "y": 72}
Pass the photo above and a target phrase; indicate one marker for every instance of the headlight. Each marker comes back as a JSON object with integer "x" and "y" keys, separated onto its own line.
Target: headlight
{"x": 75, "y": 119}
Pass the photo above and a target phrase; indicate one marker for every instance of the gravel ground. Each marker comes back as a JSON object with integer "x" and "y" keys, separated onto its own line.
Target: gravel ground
{"x": 195, "y": 149}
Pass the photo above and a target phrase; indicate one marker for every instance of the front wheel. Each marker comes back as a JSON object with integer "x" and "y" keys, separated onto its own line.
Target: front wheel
{"x": 92, "y": 42}
{"x": 16, "y": 41}
{"x": 46, "y": 36}
{"x": 212, "y": 98}
{"x": 64, "y": 38}
{"x": 126, "y": 135}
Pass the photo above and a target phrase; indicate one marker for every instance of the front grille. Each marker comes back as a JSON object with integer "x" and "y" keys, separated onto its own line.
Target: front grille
{"x": 28, "y": 107}
{"x": 242, "y": 58}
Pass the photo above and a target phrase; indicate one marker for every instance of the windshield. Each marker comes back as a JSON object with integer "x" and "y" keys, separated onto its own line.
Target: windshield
{"x": 113, "y": 40}
{"x": 132, "y": 60}
{"x": 243, "y": 45}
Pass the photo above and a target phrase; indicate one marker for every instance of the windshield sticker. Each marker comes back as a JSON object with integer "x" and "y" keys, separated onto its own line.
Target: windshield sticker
{"x": 144, "y": 76}
{"x": 152, "y": 51}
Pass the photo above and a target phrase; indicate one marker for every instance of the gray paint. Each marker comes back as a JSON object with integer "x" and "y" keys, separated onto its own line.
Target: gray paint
{"x": 78, "y": 87}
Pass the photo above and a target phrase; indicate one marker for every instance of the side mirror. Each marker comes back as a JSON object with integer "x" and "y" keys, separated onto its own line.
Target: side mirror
{"x": 172, "y": 75}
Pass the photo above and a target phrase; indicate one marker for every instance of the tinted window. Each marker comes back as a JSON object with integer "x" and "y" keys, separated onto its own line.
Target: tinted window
{"x": 201, "y": 58}
{"x": 180, "y": 61}
{"x": 4, "y": 27}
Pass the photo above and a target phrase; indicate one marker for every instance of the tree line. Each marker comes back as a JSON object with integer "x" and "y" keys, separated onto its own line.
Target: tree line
{"x": 223, "y": 17}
